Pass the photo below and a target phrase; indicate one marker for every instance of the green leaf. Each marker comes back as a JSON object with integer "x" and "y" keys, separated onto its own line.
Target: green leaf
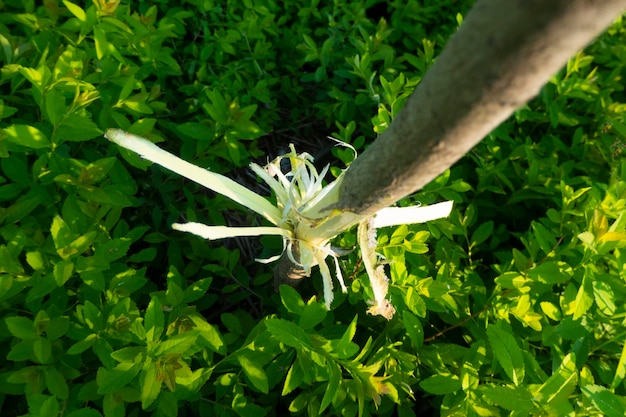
{"x": 291, "y": 299}
{"x": 63, "y": 270}
{"x": 56, "y": 383}
{"x": 75, "y": 10}
{"x": 103, "y": 47}
{"x": 609, "y": 404}
{"x": 28, "y": 136}
{"x": 16, "y": 169}
{"x": 9, "y": 262}
{"x": 144, "y": 256}
{"x": 85, "y": 412}
{"x": 561, "y": 383}
{"x": 604, "y": 297}
{"x": 167, "y": 405}
{"x": 154, "y": 320}
{"x": 196, "y": 290}
{"x": 242, "y": 405}
{"x": 75, "y": 128}
{"x": 150, "y": 386}
{"x": 21, "y": 351}
{"x": 620, "y": 369}
{"x": 209, "y": 334}
{"x": 21, "y": 327}
{"x": 197, "y": 131}
{"x": 25, "y": 204}
{"x": 254, "y": 373}
{"x": 113, "y": 249}
{"x": 288, "y": 333}
{"x": 294, "y": 378}
{"x": 82, "y": 243}
{"x": 55, "y": 106}
{"x": 92, "y": 316}
{"x": 49, "y": 407}
{"x": 113, "y": 406}
{"x": 38, "y": 77}
{"x": 482, "y": 233}
{"x": 97, "y": 171}
{"x": 137, "y": 103}
{"x": 92, "y": 277}
{"x": 415, "y": 247}
{"x": 551, "y": 310}
{"x": 570, "y": 330}
{"x": 6, "y": 111}
{"x": 332, "y": 389}
{"x": 441, "y": 384}
{"x": 57, "y": 327}
{"x": 312, "y": 315}
{"x": 507, "y": 351}
{"x": 544, "y": 238}
{"x": 174, "y": 295}
{"x": 344, "y": 348}
{"x": 551, "y": 272}
{"x": 584, "y": 297}
{"x": 179, "y": 343}
{"x": 217, "y": 109}
{"x": 510, "y": 398}
{"x": 82, "y": 345}
{"x": 113, "y": 380}
{"x": 414, "y": 329}
{"x": 42, "y": 348}
{"x": 61, "y": 233}
{"x": 245, "y": 129}
{"x": 129, "y": 354}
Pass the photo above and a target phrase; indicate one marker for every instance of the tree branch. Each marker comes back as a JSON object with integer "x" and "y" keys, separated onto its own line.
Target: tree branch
{"x": 497, "y": 61}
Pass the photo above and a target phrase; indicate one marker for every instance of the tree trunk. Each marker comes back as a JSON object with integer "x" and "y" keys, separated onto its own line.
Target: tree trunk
{"x": 502, "y": 54}
{"x": 499, "y": 59}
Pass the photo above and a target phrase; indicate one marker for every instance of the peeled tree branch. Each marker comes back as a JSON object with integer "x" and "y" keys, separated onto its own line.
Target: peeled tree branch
{"x": 498, "y": 60}
{"x": 303, "y": 215}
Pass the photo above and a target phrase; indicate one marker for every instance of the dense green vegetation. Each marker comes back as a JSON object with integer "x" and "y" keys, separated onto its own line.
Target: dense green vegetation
{"x": 515, "y": 305}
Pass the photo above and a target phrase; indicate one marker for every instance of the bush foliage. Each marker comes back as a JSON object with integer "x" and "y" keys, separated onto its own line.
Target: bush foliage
{"x": 514, "y": 305}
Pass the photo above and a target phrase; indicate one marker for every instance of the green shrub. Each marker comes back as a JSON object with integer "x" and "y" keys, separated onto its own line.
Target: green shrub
{"x": 512, "y": 306}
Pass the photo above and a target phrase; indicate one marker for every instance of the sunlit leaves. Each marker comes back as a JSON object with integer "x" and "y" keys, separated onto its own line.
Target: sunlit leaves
{"x": 110, "y": 381}
{"x": 103, "y": 318}
{"x": 510, "y": 398}
{"x": 605, "y": 401}
{"x": 289, "y": 334}
{"x": 27, "y": 136}
{"x": 254, "y": 373}
{"x": 560, "y": 384}
{"x": 21, "y": 327}
{"x": 441, "y": 384}
{"x": 507, "y": 351}
{"x": 413, "y": 328}
{"x": 151, "y": 381}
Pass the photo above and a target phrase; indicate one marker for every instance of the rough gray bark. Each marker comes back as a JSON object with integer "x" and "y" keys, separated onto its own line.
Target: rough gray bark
{"x": 502, "y": 54}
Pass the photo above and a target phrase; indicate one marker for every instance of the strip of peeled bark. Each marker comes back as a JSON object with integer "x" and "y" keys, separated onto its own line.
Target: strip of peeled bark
{"x": 499, "y": 59}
